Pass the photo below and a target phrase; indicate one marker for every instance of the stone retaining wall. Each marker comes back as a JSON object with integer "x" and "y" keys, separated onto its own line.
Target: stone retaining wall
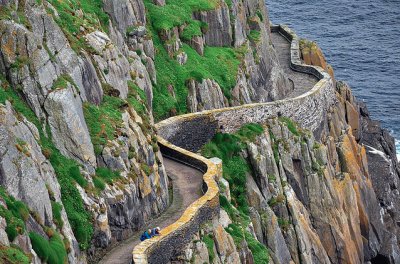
{"x": 191, "y": 131}
{"x": 179, "y": 134}
{"x": 176, "y": 236}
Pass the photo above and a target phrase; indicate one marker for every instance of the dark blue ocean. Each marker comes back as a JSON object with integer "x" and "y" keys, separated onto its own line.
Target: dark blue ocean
{"x": 361, "y": 40}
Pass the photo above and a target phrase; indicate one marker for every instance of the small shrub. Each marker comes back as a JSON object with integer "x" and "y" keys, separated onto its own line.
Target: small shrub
{"x": 291, "y": 125}
{"x": 99, "y": 183}
{"x": 57, "y": 208}
{"x": 51, "y": 251}
{"x": 13, "y": 255}
{"x": 77, "y": 176}
{"x": 107, "y": 175}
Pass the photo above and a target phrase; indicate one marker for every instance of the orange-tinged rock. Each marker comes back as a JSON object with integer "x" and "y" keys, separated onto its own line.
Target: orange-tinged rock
{"x": 353, "y": 119}
{"x": 305, "y": 53}
{"x": 317, "y": 58}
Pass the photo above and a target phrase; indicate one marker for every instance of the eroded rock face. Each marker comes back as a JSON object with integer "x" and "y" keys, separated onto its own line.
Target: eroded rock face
{"x": 24, "y": 169}
{"x": 205, "y": 95}
{"x": 68, "y": 126}
{"x": 219, "y": 31}
{"x": 27, "y": 175}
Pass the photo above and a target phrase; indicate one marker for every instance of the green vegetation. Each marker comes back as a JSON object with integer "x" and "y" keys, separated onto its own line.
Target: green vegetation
{"x": 62, "y": 82}
{"x": 103, "y": 121}
{"x": 209, "y": 241}
{"x": 78, "y": 217}
{"x": 13, "y": 255}
{"x": 107, "y": 175}
{"x": 225, "y": 60}
{"x": 235, "y": 169}
{"x": 177, "y": 12}
{"x": 51, "y": 251}
{"x": 254, "y": 35}
{"x": 260, "y": 251}
{"x": 70, "y": 22}
{"x": 99, "y": 183}
{"x": 227, "y": 147}
{"x": 225, "y": 64}
{"x": 291, "y": 125}
{"x": 15, "y": 215}
{"x": 57, "y": 208}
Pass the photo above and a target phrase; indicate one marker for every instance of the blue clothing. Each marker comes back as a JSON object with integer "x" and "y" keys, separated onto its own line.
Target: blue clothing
{"x": 145, "y": 236}
{"x": 154, "y": 232}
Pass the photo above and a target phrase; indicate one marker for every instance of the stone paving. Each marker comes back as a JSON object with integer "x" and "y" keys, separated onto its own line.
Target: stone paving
{"x": 187, "y": 181}
{"x": 187, "y": 184}
{"x": 302, "y": 82}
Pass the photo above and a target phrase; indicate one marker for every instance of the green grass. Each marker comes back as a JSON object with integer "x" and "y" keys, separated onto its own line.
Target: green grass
{"x": 13, "y": 255}
{"x": 291, "y": 125}
{"x": 103, "y": 121}
{"x": 209, "y": 241}
{"x": 260, "y": 251}
{"x": 79, "y": 218}
{"x": 51, "y": 251}
{"x": 70, "y": 22}
{"x": 224, "y": 68}
{"x": 224, "y": 60}
{"x": 254, "y": 35}
{"x": 107, "y": 175}
{"x": 57, "y": 208}
{"x": 99, "y": 183}
{"x": 176, "y": 12}
{"x": 227, "y": 147}
{"x": 15, "y": 215}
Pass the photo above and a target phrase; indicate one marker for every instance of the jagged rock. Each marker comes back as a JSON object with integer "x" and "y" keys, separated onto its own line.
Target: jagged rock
{"x": 125, "y": 13}
{"x": 219, "y": 32}
{"x": 200, "y": 253}
{"x": 225, "y": 246}
{"x": 182, "y": 58}
{"x": 159, "y": 2}
{"x": 24, "y": 170}
{"x": 204, "y": 95}
{"x": 197, "y": 42}
{"x": 3, "y": 235}
{"x": 225, "y": 190}
{"x": 68, "y": 126}
{"x": 224, "y": 219}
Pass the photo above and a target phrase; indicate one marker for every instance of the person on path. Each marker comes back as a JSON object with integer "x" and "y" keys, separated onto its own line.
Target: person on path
{"x": 155, "y": 231}
{"x": 146, "y": 235}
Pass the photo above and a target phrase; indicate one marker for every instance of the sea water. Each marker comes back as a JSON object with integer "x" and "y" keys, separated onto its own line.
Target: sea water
{"x": 361, "y": 41}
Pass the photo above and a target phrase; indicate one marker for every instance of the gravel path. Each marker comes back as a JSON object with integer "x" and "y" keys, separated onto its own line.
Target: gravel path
{"x": 187, "y": 181}
{"x": 186, "y": 189}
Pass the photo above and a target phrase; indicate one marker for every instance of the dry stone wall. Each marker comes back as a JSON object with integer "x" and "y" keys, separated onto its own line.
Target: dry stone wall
{"x": 191, "y": 131}
{"x": 179, "y": 134}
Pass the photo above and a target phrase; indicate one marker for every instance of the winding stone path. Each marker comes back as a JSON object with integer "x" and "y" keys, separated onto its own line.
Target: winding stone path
{"x": 302, "y": 82}
{"x": 187, "y": 183}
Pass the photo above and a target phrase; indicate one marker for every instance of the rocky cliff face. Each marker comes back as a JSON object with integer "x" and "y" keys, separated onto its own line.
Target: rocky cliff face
{"x": 307, "y": 201}
{"x": 77, "y": 137}
{"x": 80, "y": 168}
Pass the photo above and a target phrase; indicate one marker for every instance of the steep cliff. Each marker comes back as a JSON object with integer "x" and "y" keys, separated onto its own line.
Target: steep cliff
{"x": 81, "y": 83}
{"x": 77, "y": 142}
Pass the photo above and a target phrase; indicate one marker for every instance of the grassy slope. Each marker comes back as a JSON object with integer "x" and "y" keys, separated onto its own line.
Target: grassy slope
{"x": 227, "y": 147}
{"x": 218, "y": 63}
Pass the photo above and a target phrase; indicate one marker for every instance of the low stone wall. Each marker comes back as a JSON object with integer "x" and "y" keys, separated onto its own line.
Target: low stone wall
{"x": 191, "y": 131}
{"x": 174, "y": 237}
{"x": 179, "y": 134}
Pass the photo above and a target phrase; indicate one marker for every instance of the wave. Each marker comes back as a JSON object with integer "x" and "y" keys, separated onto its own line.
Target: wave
{"x": 397, "y": 141}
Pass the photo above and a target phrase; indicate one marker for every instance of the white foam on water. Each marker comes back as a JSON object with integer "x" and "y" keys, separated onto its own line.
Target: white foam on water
{"x": 397, "y": 148}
